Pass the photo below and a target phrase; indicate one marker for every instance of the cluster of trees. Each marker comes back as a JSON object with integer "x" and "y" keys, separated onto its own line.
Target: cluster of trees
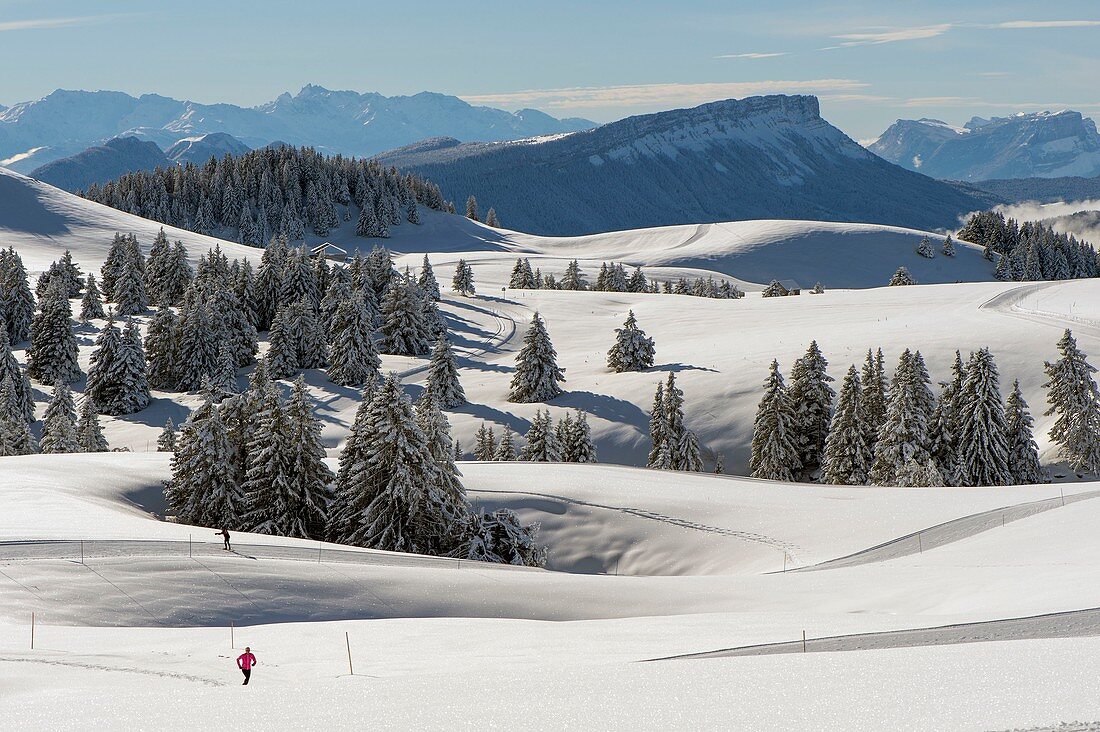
{"x": 614, "y": 278}
{"x": 884, "y": 431}
{"x": 255, "y": 462}
{"x": 674, "y": 446}
{"x": 1031, "y": 250}
{"x": 568, "y": 442}
{"x": 284, "y": 191}
{"x": 472, "y": 213}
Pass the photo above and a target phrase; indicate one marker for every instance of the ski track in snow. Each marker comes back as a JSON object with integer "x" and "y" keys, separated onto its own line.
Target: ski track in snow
{"x": 115, "y": 669}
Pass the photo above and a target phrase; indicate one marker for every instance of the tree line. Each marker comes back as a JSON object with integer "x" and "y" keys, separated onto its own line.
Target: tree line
{"x": 1030, "y": 250}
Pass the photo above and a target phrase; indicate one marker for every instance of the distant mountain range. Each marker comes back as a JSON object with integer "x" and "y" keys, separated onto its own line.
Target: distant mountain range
{"x": 66, "y": 123}
{"x": 1039, "y": 145}
{"x": 122, "y": 155}
{"x": 759, "y": 157}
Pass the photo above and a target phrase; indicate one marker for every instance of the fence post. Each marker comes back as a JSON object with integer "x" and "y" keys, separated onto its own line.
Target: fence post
{"x": 351, "y": 670}
{"x": 318, "y": 552}
{"x": 32, "y": 631}
{"x": 189, "y": 545}
{"x": 82, "y": 551}
{"x": 920, "y": 544}
{"x": 1062, "y": 493}
{"x": 803, "y": 641}
{"x": 232, "y": 640}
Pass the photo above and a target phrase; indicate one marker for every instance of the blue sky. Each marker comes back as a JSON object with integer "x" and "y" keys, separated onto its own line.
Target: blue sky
{"x": 870, "y": 62}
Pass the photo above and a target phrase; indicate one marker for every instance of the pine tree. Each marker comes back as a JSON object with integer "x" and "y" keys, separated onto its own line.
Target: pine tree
{"x": 427, "y": 281}
{"x": 89, "y": 435}
{"x": 573, "y": 279}
{"x": 443, "y": 381}
{"x": 537, "y": 373}
{"x": 873, "y": 394}
{"x": 166, "y": 442}
{"x": 310, "y": 477}
{"x": 102, "y": 385}
{"x": 203, "y": 489}
{"x": 339, "y": 517}
{"x": 522, "y": 276}
{"x": 774, "y": 454}
{"x": 223, "y": 382}
{"x": 658, "y": 428}
{"x": 131, "y": 375}
{"x": 541, "y": 442}
{"x": 485, "y": 447}
{"x": 812, "y": 399}
{"x": 446, "y": 496}
{"x": 128, "y": 291}
{"x": 904, "y": 432}
{"x": 925, "y": 248}
{"x": 902, "y": 277}
{"x": 471, "y": 209}
{"x": 404, "y": 331}
{"x": 948, "y": 247}
{"x": 681, "y": 443}
{"x": 491, "y": 218}
{"x": 500, "y": 538}
{"x": 271, "y": 503}
{"x": 15, "y": 434}
{"x": 847, "y": 456}
{"x": 91, "y": 307}
{"x": 463, "y": 280}
{"x": 52, "y": 357}
{"x": 576, "y": 440}
{"x": 1023, "y": 454}
{"x": 59, "y": 423}
{"x": 196, "y": 352}
{"x": 21, "y": 385}
{"x": 161, "y": 349}
{"x": 353, "y": 354}
{"x": 633, "y": 349}
{"x": 915, "y": 474}
{"x": 506, "y": 450}
{"x": 16, "y": 299}
{"x": 1075, "y": 403}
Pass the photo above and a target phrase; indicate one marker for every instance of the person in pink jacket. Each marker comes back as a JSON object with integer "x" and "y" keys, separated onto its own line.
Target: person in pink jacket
{"x": 245, "y": 662}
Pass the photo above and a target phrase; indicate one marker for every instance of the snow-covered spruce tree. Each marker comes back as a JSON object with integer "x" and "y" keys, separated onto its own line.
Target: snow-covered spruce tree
{"x": 873, "y": 394}
{"x": 271, "y": 504}
{"x": 1075, "y": 404}
{"x": 16, "y": 299}
{"x": 434, "y": 325}
{"x": 156, "y": 264}
{"x": 485, "y": 445}
{"x": 427, "y": 282}
{"x": 393, "y": 506}
{"x": 222, "y": 384}
{"x": 131, "y": 374}
{"x": 1023, "y": 454}
{"x": 196, "y": 351}
{"x": 24, "y": 395}
{"x": 338, "y": 290}
{"x": 103, "y": 386}
{"x": 166, "y": 441}
{"x": 499, "y": 537}
{"x": 948, "y": 247}
{"x": 298, "y": 283}
{"x": 812, "y": 399}
{"x": 354, "y": 358}
{"x": 541, "y": 442}
{"x": 59, "y": 423}
{"x": 447, "y": 496}
{"x": 847, "y": 456}
{"x": 506, "y": 450}
{"x": 322, "y": 276}
{"x": 344, "y": 487}
{"x": 91, "y": 306}
{"x": 982, "y": 450}
{"x": 925, "y": 248}
{"x": 15, "y": 434}
{"x": 682, "y": 444}
{"x": 89, "y": 435}
{"x": 269, "y": 282}
{"x": 176, "y": 277}
{"x": 658, "y": 428}
{"x": 902, "y": 277}
{"x": 576, "y": 442}
{"x": 281, "y": 360}
{"x": 637, "y": 282}
{"x": 471, "y": 209}
{"x": 52, "y": 357}
{"x": 774, "y": 454}
{"x": 573, "y": 279}
{"x": 204, "y": 489}
{"x": 491, "y": 218}
{"x": 904, "y": 433}
{"x": 404, "y": 331}
{"x": 463, "y": 280}
{"x": 522, "y": 275}
{"x": 633, "y": 349}
{"x": 412, "y": 214}
{"x": 443, "y": 380}
{"x": 919, "y": 475}
{"x": 310, "y": 478}
{"x": 537, "y": 373}
{"x": 161, "y": 349}
{"x": 128, "y": 293}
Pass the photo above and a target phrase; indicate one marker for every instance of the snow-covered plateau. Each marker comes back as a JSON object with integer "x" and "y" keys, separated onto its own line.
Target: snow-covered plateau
{"x": 670, "y": 600}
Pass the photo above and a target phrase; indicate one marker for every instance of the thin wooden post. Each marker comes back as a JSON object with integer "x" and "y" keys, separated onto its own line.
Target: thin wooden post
{"x": 784, "y": 561}
{"x": 232, "y": 639}
{"x": 32, "y": 631}
{"x": 1062, "y": 493}
{"x": 920, "y": 544}
{"x": 803, "y": 641}
{"x": 318, "y": 552}
{"x": 189, "y": 545}
{"x": 351, "y": 670}
{"x": 82, "y": 551}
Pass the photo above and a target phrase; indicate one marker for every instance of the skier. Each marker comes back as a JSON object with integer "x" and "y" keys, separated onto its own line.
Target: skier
{"x": 245, "y": 662}
{"x": 224, "y": 534}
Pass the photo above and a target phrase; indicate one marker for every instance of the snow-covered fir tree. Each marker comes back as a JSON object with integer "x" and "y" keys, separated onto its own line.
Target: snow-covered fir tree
{"x": 774, "y": 454}
{"x": 443, "y": 381}
{"x": 89, "y": 434}
{"x": 16, "y": 298}
{"x": 404, "y": 330}
{"x": 499, "y": 537}
{"x": 128, "y": 291}
{"x": 15, "y": 434}
{"x": 485, "y": 445}
{"x": 633, "y": 349}
{"x": 21, "y": 385}
{"x": 161, "y": 348}
{"x": 982, "y": 449}
{"x": 272, "y": 505}
{"x": 354, "y": 358}
{"x": 902, "y": 277}
{"x": 1023, "y": 454}
{"x": 812, "y": 400}
{"x": 944, "y": 428}
{"x": 1075, "y": 405}
{"x": 344, "y": 488}
{"x": 91, "y": 306}
{"x": 573, "y": 279}
{"x": 506, "y": 450}
{"x": 541, "y": 443}
{"x": 463, "y": 280}
{"x": 222, "y": 384}
{"x": 427, "y": 281}
{"x": 204, "y": 490}
{"x": 925, "y": 248}
{"x": 680, "y": 442}
{"x": 471, "y": 209}
{"x": 447, "y": 496}
{"x": 52, "y": 357}
{"x": 903, "y": 435}
{"x": 873, "y": 389}
{"x": 658, "y": 429}
{"x": 537, "y": 373}
{"x": 575, "y": 439}
{"x": 948, "y": 246}
{"x": 166, "y": 441}
{"x": 59, "y": 423}
{"x": 491, "y": 218}
{"x": 522, "y": 275}
{"x": 914, "y": 474}
{"x": 847, "y": 456}
{"x": 117, "y": 379}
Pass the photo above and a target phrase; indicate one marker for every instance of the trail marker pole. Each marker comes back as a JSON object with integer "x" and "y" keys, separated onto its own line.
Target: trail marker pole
{"x": 189, "y": 545}
{"x": 920, "y": 544}
{"x": 784, "y": 561}
{"x": 232, "y": 639}
{"x": 803, "y": 641}
{"x": 351, "y": 670}
{"x": 318, "y": 552}
{"x": 32, "y": 631}
{"x": 82, "y": 551}
{"x": 1062, "y": 493}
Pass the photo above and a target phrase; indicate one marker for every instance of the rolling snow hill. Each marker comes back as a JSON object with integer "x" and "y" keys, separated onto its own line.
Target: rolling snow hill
{"x": 66, "y": 122}
{"x": 759, "y": 157}
{"x": 1036, "y": 145}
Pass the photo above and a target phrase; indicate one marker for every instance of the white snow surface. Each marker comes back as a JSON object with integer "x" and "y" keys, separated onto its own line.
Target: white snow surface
{"x": 643, "y": 564}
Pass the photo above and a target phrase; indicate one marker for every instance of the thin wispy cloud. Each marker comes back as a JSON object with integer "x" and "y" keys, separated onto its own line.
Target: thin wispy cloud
{"x": 44, "y": 23}
{"x": 753, "y": 55}
{"x": 1024, "y": 24}
{"x": 891, "y": 35}
{"x": 657, "y": 95}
